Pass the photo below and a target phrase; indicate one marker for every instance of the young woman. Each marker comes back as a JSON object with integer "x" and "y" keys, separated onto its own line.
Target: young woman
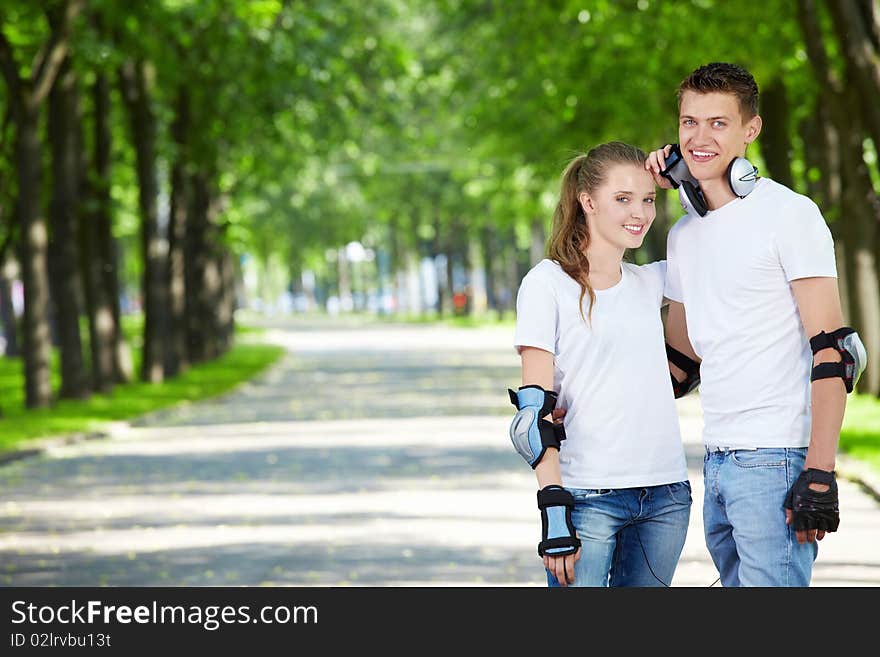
{"x": 614, "y": 496}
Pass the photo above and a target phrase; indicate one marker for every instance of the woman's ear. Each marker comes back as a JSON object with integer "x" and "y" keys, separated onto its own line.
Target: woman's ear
{"x": 586, "y": 202}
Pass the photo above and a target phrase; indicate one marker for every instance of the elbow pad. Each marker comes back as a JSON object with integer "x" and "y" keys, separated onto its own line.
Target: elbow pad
{"x": 853, "y": 357}
{"x": 530, "y": 433}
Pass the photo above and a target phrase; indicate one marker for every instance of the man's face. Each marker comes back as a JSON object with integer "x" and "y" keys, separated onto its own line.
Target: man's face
{"x": 711, "y": 132}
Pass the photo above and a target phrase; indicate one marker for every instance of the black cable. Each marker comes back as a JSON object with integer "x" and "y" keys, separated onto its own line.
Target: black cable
{"x": 648, "y": 561}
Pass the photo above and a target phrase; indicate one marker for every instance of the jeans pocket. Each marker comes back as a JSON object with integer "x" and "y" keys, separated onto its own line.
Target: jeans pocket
{"x": 758, "y": 458}
{"x": 680, "y": 492}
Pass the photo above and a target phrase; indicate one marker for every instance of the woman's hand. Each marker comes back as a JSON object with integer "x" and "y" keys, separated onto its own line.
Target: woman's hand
{"x": 562, "y": 567}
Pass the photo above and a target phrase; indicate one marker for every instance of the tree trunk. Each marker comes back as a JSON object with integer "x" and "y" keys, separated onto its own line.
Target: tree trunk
{"x": 7, "y": 313}
{"x": 203, "y": 273}
{"x": 856, "y": 40}
{"x": 176, "y": 354}
{"x": 860, "y": 219}
{"x": 226, "y": 305}
{"x": 775, "y": 139}
{"x": 489, "y": 266}
{"x": 66, "y": 291}
{"x": 34, "y": 271}
{"x": 135, "y": 91}
{"x": 98, "y": 253}
{"x": 537, "y": 243}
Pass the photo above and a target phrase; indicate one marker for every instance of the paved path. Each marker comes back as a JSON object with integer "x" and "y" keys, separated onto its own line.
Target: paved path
{"x": 373, "y": 455}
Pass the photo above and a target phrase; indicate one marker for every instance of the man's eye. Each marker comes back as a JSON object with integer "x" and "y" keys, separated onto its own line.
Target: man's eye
{"x": 720, "y": 124}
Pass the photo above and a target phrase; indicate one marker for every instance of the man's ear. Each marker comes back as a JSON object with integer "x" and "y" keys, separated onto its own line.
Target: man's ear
{"x": 587, "y": 204}
{"x": 753, "y": 128}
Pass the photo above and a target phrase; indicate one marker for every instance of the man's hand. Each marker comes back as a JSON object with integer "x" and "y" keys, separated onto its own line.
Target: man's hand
{"x": 805, "y": 535}
{"x": 656, "y": 162}
{"x": 812, "y": 505}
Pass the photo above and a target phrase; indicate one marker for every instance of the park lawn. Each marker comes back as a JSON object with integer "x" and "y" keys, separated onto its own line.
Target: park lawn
{"x": 18, "y": 425}
{"x": 860, "y": 436}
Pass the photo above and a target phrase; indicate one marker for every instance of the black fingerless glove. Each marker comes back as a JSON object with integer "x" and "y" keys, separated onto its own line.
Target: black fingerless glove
{"x": 811, "y": 509}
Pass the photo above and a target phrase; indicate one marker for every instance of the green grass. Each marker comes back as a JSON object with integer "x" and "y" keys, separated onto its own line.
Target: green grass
{"x": 860, "y": 436}
{"x": 19, "y": 425}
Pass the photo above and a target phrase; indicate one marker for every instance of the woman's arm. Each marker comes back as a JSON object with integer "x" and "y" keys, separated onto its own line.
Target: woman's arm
{"x": 537, "y": 369}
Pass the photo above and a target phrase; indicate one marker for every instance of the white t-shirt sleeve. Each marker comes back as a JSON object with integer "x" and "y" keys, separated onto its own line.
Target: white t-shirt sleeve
{"x": 537, "y": 314}
{"x": 804, "y": 242}
{"x": 672, "y": 288}
{"x": 656, "y": 272}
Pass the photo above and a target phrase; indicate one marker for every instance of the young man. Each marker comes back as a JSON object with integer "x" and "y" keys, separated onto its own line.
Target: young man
{"x": 752, "y": 277}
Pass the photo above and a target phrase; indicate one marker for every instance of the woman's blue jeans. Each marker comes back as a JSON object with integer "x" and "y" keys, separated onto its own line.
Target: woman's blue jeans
{"x": 629, "y": 536}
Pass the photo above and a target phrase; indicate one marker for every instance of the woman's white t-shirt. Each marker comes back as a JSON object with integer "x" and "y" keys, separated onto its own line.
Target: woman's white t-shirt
{"x": 611, "y": 374}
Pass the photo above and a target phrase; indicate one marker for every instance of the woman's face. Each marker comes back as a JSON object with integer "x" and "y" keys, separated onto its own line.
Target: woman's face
{"x": 621, "y": 210}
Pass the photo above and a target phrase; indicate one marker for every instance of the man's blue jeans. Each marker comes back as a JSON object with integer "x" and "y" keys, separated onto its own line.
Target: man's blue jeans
{"x": 744, "y": 519}
{"x": 629, "y": 536}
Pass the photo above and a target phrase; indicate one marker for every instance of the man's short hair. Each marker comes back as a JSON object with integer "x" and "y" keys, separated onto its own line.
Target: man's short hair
{"x": 726, "y": 78}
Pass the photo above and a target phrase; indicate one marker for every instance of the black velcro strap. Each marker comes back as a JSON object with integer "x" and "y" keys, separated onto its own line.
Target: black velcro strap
{"x": 822, "y": 340}
{"x": 828, "y": 371}
{"x": 550, "y": 397}
{"x": 815, "y": 476}
{"x": 549, "y": 437}
{"x": 513, "y": 398}
{"x": 554, "y": 496}
{"x": 681, "y": 361}
{"x": 559, "y": 431}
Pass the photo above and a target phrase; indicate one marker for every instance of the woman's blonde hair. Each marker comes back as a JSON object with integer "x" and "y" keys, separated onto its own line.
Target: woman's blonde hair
{"x": 570, "y": 235}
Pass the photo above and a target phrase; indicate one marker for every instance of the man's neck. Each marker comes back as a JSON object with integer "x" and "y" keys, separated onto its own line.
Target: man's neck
{"x": 717, "y": 192}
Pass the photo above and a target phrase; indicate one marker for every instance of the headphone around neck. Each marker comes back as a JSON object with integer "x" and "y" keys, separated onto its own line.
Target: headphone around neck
{"x": 741, "y": 176}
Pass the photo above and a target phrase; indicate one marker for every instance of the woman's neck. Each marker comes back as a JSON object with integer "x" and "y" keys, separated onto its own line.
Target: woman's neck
{"x": 604, "y": 264}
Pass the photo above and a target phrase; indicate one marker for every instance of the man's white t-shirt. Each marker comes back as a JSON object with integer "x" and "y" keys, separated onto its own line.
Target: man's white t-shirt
{"x": 612, "y": 377}
{"x": 732, "y": 269}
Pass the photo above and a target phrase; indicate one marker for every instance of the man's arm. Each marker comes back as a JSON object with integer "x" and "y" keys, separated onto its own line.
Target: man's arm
{"x": 818, "y": 302}
{"x": 677, "y": 337}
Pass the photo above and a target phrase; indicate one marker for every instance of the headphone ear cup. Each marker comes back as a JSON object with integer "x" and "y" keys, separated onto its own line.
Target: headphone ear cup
{"x": 692, "y": 196}
{"x": 742, "y": 176}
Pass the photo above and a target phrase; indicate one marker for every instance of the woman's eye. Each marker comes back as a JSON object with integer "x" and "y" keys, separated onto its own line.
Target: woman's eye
{"x": 649, "y": 200}
{"x": 622, "y": 198}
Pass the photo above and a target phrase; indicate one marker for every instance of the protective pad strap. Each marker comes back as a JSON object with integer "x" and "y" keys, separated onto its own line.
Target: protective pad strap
{"x": 534, "y": 395}
{"x": 853, "y": 357}
{"x": 690, "y": 367}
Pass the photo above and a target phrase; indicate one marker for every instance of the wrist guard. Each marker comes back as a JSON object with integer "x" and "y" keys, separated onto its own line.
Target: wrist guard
{"x": 558, "y": 536}
{"x": 530, "y": 433}
{"x": 811, "y": 509}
